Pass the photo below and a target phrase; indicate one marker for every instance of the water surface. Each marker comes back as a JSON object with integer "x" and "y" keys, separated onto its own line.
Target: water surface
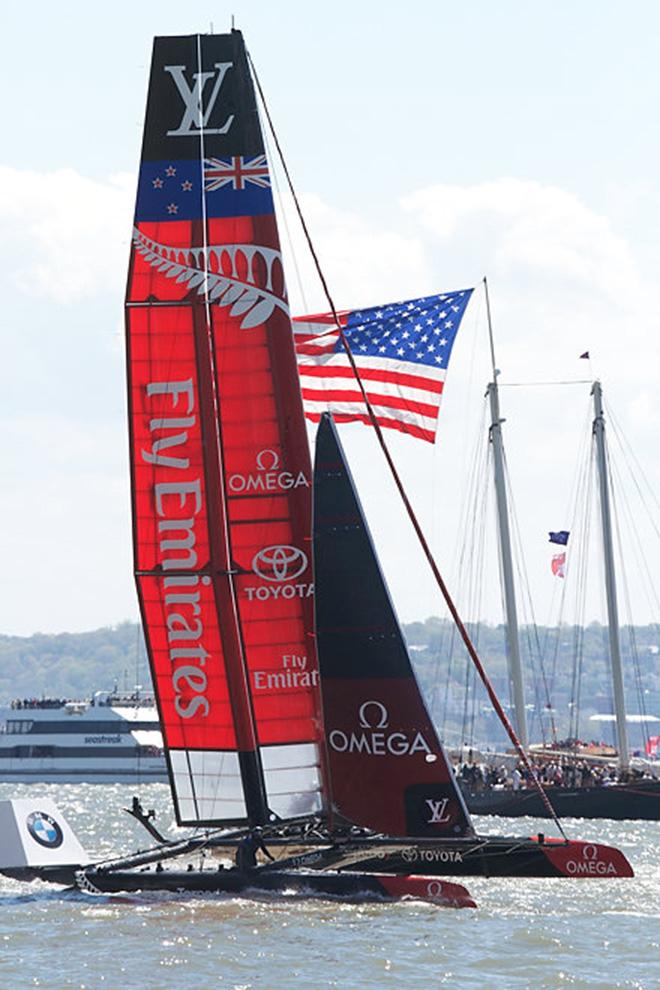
{"x": 596, "y": 934}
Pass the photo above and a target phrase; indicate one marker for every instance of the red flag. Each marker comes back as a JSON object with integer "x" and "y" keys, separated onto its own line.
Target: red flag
{"x": 558, "y": 565}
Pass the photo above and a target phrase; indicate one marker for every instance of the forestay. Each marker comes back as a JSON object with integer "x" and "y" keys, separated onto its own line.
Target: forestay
{"x": 220, "y": 464}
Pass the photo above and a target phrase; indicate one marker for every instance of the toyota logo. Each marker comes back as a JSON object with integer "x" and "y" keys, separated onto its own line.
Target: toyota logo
{"x": 279, "y": 563}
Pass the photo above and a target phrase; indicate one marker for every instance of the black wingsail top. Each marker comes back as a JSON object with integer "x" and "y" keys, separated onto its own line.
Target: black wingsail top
{"x": 388, "y": 769}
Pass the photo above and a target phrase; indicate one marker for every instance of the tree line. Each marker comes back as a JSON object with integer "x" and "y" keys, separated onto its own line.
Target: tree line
{"x": 75, "y": 665}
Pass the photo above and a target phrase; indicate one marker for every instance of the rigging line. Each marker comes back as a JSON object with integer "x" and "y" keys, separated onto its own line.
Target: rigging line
{"x": 581, "y": 593}
{"x": 642, "y": 564}
{"x": 568, "y": 381}
{"x": 576, "y": 501}
{"x": 283, "y": 215}
{"x": 397, "y": 479}
{"x": 629, "y": 456}
{"x": 533, "y": 639}
{"x": 639, "y": 472}
{"x": 621, "y": 570}
{"x": 475, "y": 585}
{"x": 469, "y": 510}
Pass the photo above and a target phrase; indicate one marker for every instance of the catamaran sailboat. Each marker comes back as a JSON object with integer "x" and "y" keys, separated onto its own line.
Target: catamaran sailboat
{"x": 286, "y": 698}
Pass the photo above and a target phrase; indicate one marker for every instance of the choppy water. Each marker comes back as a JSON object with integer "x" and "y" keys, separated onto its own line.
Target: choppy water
{"x": 536, "y": 934}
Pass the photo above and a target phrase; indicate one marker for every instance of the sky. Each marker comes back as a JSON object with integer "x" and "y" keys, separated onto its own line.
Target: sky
{"x": 431, "y": 146}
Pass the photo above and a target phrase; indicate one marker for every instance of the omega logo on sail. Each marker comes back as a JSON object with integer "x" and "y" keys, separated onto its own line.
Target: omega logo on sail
{"x": 373, "y": 717}
{"x": 176, "y": 506}
{"x": 268, "y": 478}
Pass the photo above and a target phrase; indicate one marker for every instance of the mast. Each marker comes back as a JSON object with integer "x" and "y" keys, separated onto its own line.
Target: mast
{"x": 610, "y": 577}
{"x": 516, "y": 682}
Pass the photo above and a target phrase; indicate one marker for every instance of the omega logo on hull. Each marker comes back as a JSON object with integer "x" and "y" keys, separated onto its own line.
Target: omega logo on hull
{"x": 590, "y": 865}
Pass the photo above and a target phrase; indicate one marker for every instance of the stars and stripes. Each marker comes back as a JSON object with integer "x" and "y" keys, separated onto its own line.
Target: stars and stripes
{"x": 401, "y": 351}
{"x": 236, "y": 172}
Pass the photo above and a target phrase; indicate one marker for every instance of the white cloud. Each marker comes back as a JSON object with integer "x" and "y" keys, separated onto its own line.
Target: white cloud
{"x": 529, "y": 229}
{"x": 65, "y": 236}
{"x": 365, "y": 263}
{"x": 562, "y": 279}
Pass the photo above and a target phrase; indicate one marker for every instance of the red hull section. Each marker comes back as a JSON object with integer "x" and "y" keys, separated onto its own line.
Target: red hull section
{"x": 578, "y": 859}
{"x": 427, "y": 889}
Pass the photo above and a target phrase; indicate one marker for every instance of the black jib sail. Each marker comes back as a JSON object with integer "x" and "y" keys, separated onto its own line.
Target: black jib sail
{"x": 388, "y": 768}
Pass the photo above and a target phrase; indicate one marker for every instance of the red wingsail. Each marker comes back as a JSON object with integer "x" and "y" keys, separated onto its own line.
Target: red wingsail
{"x": 220, "y": 465}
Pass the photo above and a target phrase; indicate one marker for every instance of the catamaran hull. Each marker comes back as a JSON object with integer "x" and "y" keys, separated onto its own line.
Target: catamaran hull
{"x": 347, "y": 886}
{"x": 481, "y": 856}
{"x": 509, "y": 858}
{"x": 621, "y": 802}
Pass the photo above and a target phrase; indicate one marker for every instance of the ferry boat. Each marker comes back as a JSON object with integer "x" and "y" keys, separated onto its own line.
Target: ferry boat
{"x": 109, "y": 738}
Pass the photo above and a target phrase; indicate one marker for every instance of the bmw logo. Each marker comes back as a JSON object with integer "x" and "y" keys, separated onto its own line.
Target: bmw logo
{"x": 44, "y": 830}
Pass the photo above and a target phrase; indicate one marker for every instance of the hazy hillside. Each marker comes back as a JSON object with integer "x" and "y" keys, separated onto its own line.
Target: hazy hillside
{"x": 72, "y": 665}
{"x": 75, "y": 665}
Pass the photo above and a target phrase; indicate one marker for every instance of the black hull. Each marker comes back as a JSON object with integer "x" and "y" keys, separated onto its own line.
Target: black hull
{"x": 621, "y": 802}
{"x": 495, "y": 858}
{"x": 499, "y": 857}
{"x": 345, "y": 886}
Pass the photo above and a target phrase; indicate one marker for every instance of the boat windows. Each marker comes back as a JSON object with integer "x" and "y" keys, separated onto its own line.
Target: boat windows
{"x": 19, "y": 725}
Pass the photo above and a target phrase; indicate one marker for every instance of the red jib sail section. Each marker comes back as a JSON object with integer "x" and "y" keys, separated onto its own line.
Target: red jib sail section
{"x": 221, "y": 477}
{"x": 387, "y": 767}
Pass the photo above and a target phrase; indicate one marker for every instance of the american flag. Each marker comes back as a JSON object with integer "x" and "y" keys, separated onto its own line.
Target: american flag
{"x": 401, "y": 351}
{"x": 236, "y": 171}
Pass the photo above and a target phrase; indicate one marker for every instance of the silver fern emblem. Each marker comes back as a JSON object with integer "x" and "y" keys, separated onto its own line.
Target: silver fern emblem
{"x": 214, "y": 271}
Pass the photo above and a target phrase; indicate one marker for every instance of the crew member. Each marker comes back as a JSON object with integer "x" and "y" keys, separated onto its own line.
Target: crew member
{"x": 247, "y": 849}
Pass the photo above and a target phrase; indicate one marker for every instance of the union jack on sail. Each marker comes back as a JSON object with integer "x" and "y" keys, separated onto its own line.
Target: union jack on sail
{"x": 401, "y": 351}
{"x": 236, "y": 171}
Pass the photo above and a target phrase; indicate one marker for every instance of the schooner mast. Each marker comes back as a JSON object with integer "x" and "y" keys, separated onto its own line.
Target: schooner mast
{"x": 516, "y": 681}
{"x": 610, "y": 578}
